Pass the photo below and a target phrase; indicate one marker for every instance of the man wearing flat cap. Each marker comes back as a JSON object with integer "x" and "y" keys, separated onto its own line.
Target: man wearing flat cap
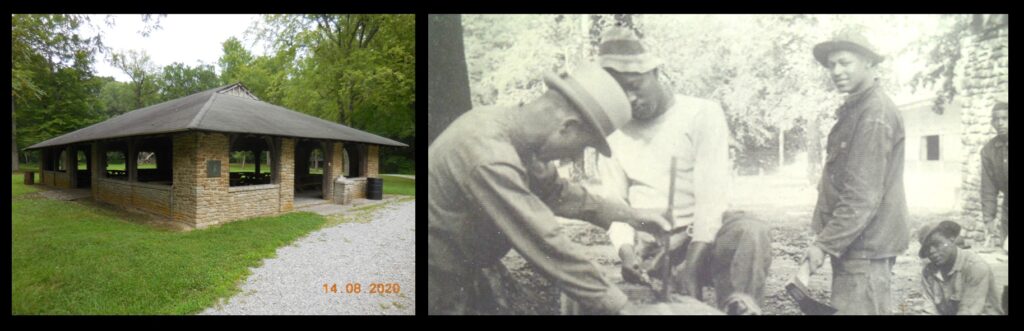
{"x": 995, "y": 171}
{"x": 709, "y": 245}
{"x": 860, "y": 219}
{"x": 490, "y": 191}
{"x": 955, "y": 281}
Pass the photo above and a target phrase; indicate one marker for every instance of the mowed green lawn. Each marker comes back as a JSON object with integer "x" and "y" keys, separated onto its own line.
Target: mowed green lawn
{"x": 18, "y": 187}
{"x": 399, "y": 185}
{"x": 74, "y": 258}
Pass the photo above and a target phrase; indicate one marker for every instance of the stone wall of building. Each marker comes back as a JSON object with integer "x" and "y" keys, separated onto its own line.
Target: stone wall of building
{"x": 984, "y": 65}
{"x": 197, "y": 200}
{"x": 251, "y": 201}
{"x": 46, "y": 177}
{"x": 150, "y": 198}
{"x": 59, "y": 179}
{"x": 357, "y": 190}
{"x": 113, "y": 191}
{"x": 201, "y": 201}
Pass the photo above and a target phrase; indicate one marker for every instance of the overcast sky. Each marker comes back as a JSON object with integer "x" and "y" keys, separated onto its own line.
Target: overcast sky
{"x": 190, "y": 39}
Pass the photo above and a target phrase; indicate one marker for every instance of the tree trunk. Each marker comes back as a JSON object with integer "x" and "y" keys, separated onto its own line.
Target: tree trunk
{"x": 782, "y": 146}
{"x": 447, "y": 76}
{"x": 813, "y": 142}
{"x": 14, "y": 142}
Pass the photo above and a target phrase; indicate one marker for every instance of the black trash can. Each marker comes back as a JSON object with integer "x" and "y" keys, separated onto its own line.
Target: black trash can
{"x": 374, "y": 188}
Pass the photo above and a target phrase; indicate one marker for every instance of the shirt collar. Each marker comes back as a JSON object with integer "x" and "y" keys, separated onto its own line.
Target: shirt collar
{"x": 855, "y": 99}
{"x": 1000, "y": 141}
{"x": 957, "y": 265}
{"x": 961, "y": 255}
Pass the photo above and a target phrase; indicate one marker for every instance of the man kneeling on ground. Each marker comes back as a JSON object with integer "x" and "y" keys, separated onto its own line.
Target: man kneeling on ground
{"x": 956, "y": 281}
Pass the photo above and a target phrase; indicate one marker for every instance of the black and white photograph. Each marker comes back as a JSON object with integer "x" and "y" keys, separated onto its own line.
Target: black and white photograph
{"x": 713, "y": 164}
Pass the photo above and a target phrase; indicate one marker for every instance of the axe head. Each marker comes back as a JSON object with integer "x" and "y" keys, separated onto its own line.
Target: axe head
{"x": 807, "y": 304}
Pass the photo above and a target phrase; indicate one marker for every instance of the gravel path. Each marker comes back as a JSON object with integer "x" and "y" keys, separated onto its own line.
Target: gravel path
{"x": 292, "y": 283}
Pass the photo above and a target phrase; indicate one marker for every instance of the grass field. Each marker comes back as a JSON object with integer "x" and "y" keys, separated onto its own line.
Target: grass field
{"x": 92, "y": 260}
{"x": 399, "y": 185}
{"x": 19, "y": 188}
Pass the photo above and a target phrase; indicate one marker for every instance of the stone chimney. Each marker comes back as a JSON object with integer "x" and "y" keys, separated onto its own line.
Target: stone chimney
{"x": 985, "y": 67}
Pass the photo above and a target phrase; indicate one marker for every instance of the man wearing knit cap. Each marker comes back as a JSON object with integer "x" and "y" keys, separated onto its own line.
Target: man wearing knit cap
{"x": 491, "y": 191}
{"x": 709, "y": 245}
{"x": 995, "y": 171}
{"x": 860, "y": 219}
{"x": 955, "y": 281}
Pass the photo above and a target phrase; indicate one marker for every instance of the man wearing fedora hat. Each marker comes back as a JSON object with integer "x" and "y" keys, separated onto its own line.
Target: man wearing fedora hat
{"x": 995, "y": 171}
{"x": 956, "y": 281}
{"x": 860, "y": 219}
{"x": 490, "y": 191}
{"x": 709, "y": 245}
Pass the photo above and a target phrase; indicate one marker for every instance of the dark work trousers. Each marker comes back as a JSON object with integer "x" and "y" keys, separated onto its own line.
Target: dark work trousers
{"x": 738, "y": 262}
{"x": 862, "y": 286}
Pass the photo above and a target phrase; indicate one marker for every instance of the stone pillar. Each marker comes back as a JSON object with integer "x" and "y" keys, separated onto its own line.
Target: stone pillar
{"x": 70, "y": 166}
{"x": 984, "y": 74}
{"x": 212, "y": 200}
{"x": 95, "y": 163}
{"x": 287, "y": 174}
{"x": 372, "y": 161}
{"x": 131, "y": 161}
{"x": 187, "y": 169}
{"x": 333, "y": 168}
{"x": 325, "y": 170}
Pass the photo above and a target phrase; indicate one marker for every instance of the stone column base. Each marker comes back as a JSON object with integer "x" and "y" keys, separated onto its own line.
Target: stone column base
{"x": 348, "y": 189}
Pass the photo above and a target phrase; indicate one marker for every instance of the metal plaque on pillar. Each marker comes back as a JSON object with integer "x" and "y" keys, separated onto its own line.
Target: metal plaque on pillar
{"x": 212, "y": 168}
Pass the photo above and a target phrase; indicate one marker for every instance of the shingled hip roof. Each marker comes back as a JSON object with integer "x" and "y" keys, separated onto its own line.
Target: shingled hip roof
{"x": 215, "y": 110}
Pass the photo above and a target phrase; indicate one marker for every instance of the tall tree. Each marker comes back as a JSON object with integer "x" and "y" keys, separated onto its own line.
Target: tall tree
{"x": 116, "y": 97}
{"x": 266, "y": 76}
{"x": 357, "y": 70}
{"x": 140, "y": 69}
{"x": 351, "y": 61}
{"x": 943, "y": 54}
{"x": 178, "y": 80}
{"x": 49, "y": 59}
{"x": 234, "y": 61}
